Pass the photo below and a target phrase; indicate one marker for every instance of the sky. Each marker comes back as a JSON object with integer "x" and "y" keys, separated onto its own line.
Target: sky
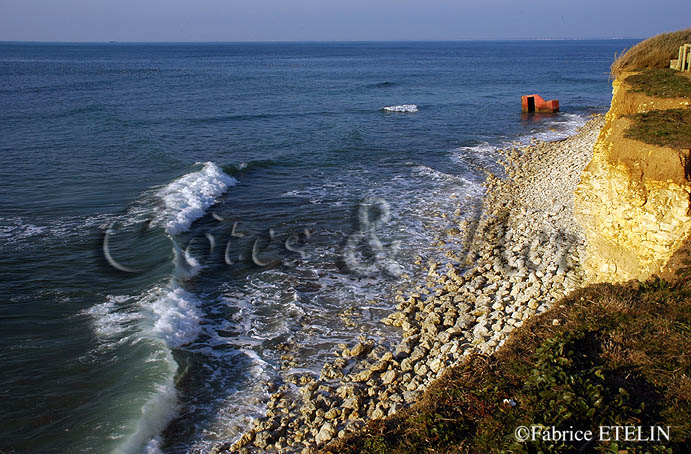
{"x": 335, "y": 20}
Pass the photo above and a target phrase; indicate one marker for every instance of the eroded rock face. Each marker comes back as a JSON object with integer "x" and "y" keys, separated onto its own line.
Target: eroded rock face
{"x": 633, "y": 198}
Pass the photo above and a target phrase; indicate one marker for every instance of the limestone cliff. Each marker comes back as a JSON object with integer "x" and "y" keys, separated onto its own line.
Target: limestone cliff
{"x": 633, "y": 200}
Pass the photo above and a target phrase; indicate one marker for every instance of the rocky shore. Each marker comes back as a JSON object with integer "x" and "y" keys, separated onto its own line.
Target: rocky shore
{"x": 517, "y": 259}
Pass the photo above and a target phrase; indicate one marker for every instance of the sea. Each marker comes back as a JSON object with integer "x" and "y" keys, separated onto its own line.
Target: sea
{"x": 184, "y": 225}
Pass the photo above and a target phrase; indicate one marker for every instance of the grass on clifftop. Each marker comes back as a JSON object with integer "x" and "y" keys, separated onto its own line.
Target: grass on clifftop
{"x": 617, "y": 355}
{"x": 661, "y": 83}
{"x": 655, "y": 52}
{"x": 669, "y": 128}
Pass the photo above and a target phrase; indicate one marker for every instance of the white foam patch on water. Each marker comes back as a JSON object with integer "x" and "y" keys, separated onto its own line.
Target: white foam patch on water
{"x": 479, "y": 152}
{"x": 187, "y": 198}
{"x": 402, "y": 108}
{"x": 15, "y": 229}
{"x": 176, "y": 316}
{"x": 154, "y": 446}
{"x": 564, "y": 125}
{"x": 482, "y": 156}
{"x": 20, "y": 231}
{"x": 329, "y": 192}
{"x": 259, "y": 310}
{"x": 113, "y": 319}
{"x": 172, "y": 315}
{"x": 428, "y": 172}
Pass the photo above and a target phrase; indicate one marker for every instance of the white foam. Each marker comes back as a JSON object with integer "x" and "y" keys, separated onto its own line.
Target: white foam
{"x": 329, "y": 193}
{"x": 401, "y": 108}
{"x": 483, "y": 149}
{"x": 154, "y": 446}
{"x": 424, "y": 171}
{"x": 169, "y": 314}
{"x": 187, "y": 198}
{"x": 176, "y": 316}
{"x": 482, "y": 157}
{"x": 173, "y": 320}
{"x": 15, "y": 230}
{"x": 486, "y": 156}
{"x": 110, "y": 320}
{"x": 563, "y": 126}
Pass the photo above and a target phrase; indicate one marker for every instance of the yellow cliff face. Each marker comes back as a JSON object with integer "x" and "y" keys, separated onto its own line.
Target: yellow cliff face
{"x": 633, "y": 200}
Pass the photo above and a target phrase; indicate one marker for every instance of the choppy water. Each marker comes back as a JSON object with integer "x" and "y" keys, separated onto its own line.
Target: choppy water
{"x": 173, "y": 217}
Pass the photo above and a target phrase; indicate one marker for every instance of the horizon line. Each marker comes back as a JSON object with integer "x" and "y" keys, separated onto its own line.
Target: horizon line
{"x": 322, "y": 41}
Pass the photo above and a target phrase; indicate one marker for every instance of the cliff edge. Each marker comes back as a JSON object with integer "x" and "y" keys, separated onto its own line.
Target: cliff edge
{"x": 634, "y": 198}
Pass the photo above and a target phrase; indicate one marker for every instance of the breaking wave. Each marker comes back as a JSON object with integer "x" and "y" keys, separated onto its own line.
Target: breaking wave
{"x": 176, "y": 317}
{"x": 187, "y": 198}
{"x": 401, "y": 108}
{"x": 166, "y": 316}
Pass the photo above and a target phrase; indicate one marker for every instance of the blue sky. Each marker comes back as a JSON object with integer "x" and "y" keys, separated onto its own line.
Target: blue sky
{"x": 335, "y": 20}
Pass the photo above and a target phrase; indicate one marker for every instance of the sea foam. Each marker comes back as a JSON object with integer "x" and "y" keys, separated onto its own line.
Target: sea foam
{"x": 176, "y": 316}
{"x": 168, "y": 315}
{"x": 563, "y": 126}
{"x": 187, "y": 198}
{"x": 113, "y": 319}
{"x": 401, "y": 108}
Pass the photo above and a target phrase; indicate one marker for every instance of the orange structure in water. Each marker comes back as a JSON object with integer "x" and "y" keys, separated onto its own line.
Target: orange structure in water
{"x": 535, "y": 103}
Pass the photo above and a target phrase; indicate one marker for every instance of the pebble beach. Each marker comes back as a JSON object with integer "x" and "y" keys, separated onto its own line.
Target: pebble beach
{"x": 514, "y": 261}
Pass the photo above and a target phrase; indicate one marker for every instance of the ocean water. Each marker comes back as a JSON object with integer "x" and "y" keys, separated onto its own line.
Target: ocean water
{"x": 174, "y": 218}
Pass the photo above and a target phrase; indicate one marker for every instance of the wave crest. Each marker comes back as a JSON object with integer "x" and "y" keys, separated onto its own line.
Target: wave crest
{"x": 187, "y": 198}
{"x": 176, "y": 317}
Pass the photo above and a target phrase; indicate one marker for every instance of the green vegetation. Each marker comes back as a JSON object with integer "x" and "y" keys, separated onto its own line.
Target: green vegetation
{"x": 670, "y": 128}
{"x": 655, "y": 52}
{"x": 661, "y": 83}
{"x": 607, "y": 355}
